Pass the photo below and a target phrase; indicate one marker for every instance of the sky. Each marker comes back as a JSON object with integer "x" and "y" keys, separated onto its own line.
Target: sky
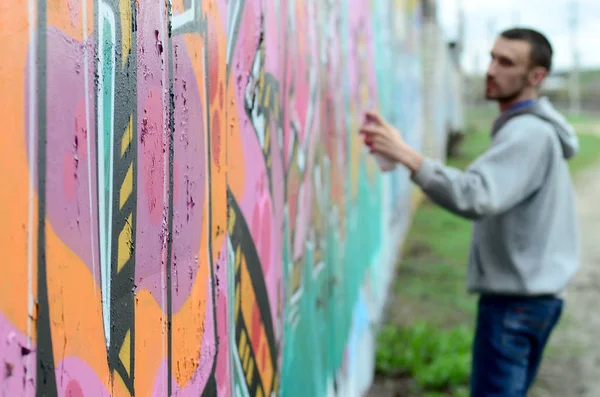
{"x": 486, "y": 18}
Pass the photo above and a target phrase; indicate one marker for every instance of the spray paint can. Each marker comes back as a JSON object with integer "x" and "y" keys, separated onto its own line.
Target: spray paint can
{"x": 383, "y": 162}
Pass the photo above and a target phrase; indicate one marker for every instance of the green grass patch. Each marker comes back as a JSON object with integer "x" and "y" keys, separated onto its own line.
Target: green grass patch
{"x": 439, "y": 360}
{"x": 589, "y": 76}
{"x": 589, "y": 153}
{"x": 431, "y": 316}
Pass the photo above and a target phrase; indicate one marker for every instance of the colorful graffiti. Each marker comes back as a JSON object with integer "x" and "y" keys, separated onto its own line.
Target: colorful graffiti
{"x": 188, "y": 209}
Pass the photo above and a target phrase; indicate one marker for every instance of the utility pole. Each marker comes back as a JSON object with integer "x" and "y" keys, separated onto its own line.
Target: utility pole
{"x": 461, "y": 26}
{"x": 476, "y": 63}
{"x": 475, "y": 92}
{"x": 516, "y": 17}
{"x": 491, "y": 31}
{"x": 574, "y": 86}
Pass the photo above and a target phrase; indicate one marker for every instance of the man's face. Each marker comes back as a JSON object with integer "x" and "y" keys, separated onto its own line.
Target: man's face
{"x": 508, "y": 72}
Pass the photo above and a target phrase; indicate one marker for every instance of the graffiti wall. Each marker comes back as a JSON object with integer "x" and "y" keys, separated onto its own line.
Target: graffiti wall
{"x": 187, "y": 206}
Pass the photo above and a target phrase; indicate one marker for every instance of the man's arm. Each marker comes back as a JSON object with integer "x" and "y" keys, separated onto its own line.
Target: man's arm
{"x": 513, "y": 168}
{"x": 510, "y": 170}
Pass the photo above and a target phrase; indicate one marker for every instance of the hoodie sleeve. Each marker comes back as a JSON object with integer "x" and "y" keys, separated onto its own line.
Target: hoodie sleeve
{"x": 512, "y": 168}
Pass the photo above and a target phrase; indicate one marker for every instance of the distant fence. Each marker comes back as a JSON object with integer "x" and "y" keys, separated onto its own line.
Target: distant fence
{"x": 588, "y": 107}
{"x": 187, "y": 206}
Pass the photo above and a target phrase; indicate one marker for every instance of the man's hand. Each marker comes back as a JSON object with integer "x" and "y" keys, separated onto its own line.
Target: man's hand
{"x": 382, "y": 138}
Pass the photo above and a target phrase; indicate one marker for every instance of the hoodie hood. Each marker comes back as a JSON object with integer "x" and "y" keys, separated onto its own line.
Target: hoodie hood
{"x": 543, "y": 109}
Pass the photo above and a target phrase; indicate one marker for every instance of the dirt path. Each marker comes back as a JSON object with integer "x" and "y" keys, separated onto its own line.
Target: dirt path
{"x": 572, "y": 369}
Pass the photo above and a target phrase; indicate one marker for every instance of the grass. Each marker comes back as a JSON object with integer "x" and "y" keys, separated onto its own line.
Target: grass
{"x": 589, "y": 76}
{"x": 430, "y": 323}
{"x": 588, "y": 154}
{"x": 439, "y": 360}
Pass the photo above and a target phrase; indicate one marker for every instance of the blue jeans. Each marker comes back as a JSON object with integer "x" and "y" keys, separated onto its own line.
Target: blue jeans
{"x": 510, "y": 336}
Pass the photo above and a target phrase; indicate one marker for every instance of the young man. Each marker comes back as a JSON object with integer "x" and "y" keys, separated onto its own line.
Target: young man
{"x": 525, "y": 244}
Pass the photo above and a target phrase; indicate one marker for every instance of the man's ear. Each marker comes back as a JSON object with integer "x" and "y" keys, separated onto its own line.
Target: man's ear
{"x": 537, "y": 75}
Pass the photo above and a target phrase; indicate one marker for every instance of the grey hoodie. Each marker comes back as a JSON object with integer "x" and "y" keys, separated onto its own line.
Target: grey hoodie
{"x": 519, "y": 195}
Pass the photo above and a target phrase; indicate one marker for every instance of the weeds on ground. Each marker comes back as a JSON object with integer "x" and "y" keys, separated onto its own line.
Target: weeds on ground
{"x": 589, "y": 150}
{"x": 439, "y": 360}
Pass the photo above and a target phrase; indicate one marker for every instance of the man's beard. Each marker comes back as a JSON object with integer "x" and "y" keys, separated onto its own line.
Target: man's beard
{"x": 504, "y": 97}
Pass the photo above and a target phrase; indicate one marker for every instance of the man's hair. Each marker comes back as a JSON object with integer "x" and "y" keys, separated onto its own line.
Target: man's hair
{"x": 541, "y": 49}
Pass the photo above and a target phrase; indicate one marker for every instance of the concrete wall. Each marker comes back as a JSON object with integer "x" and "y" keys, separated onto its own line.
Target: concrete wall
{"x": 187, "y": 208}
